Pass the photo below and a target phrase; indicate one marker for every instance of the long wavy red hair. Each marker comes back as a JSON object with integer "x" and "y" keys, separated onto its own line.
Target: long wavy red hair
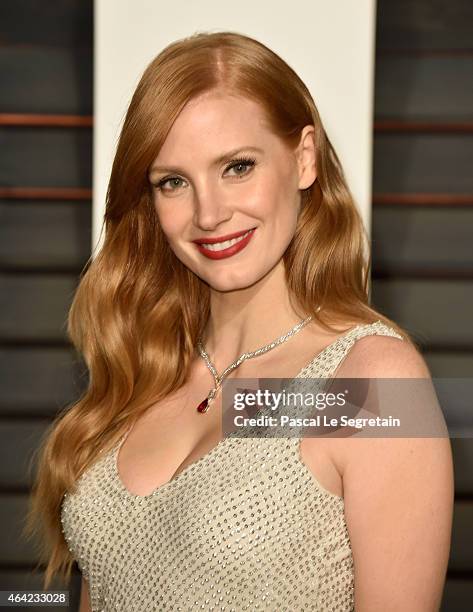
{"x": 138, "y": 311}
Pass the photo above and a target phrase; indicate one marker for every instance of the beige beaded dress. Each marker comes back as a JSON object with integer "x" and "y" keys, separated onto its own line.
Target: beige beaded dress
{"x": 245, "y": 527}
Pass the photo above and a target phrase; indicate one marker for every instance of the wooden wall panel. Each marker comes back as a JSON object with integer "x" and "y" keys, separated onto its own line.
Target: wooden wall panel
{"x": 450, "y": 363}
{"x": 54, "y": 235}
{"x": 35, "y": 306}
{"x": 424, "y": 25}
{"x": 423, "y": 307}
{"x": 422, "y": 255}
{"x": 46, "y": 79}
{"x": 461, "y": 556}
{"x": 428, "y": 163}
{"x": 45, "y": 157}
{"x": 457, "y": 594}
{"x": 462, "y": 449}
{"x": 19, "y": 440}
{"x": 406, "y": 238}
{"x": 15, "y": 550}
{"x": 37, "y": 381}
{"x": 430, "y": 87}
{"x": 62, "y": 23}
{"x": 46, "y": 67}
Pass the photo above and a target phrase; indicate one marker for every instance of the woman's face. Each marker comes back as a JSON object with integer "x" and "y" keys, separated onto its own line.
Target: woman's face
{"x": 221, "y": 171}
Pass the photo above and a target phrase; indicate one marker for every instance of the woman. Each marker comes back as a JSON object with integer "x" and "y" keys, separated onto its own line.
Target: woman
{"x": 229, "y": 230}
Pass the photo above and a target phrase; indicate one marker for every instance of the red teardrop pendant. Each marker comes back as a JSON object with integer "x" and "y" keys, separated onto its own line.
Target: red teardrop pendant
{"x": 203, "y": 406}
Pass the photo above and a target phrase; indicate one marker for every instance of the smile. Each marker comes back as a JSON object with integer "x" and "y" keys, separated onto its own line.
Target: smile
{"x": 227, "y": 248}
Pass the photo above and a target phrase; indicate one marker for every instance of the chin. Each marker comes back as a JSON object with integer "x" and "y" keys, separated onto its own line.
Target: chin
{"x": 233, "y": 282}
{"x": 228, "y": 285}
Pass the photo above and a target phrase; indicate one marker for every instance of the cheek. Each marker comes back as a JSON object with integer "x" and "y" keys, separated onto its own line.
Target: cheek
{"x": 275, "y": 201}
{"x": 170, "y": 218}
{"x": 263, "y": 200}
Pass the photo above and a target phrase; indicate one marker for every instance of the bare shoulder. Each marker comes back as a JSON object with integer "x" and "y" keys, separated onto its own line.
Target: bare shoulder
{"x": 373, "y": 356}
{"x": 398, "y": 494}
{"x": 378, "y": 356}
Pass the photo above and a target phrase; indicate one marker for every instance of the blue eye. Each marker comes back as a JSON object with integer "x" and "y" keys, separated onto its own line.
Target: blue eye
{"x": 176, "y": 181}
{"x": 242, "y": 161}
{"x": 171, "y": 179}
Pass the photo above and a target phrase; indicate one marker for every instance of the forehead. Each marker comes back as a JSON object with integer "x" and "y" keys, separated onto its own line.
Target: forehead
{"x": 217, "y": 120}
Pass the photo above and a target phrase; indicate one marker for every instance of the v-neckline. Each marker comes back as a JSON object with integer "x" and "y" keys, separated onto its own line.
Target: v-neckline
{"x": 178, "y": 476}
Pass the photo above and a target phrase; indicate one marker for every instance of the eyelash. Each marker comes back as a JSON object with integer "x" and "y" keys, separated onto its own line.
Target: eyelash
{"x": 244, "y": 161}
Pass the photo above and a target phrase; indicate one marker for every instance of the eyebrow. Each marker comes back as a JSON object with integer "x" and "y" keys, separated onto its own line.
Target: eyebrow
{"x": 219, "y": 160}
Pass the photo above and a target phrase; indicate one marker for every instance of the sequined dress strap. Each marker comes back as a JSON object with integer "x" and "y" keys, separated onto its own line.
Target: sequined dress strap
{"x": 327, "y": 362}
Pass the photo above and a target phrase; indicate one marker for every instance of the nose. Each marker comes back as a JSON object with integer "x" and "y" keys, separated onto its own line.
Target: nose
{"x": 210, "y": 207}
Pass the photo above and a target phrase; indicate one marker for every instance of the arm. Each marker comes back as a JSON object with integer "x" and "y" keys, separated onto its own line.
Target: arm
{"x": 398, "y": 498}
{"x": 84, "y": 605}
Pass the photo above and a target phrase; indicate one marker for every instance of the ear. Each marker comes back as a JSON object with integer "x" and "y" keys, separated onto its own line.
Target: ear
{"x": 305, "y": 154}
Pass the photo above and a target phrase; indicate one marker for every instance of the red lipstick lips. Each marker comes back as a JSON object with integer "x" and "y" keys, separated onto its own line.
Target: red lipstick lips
{"x": 219, "y": 238}
{"x": 230, "y": 250}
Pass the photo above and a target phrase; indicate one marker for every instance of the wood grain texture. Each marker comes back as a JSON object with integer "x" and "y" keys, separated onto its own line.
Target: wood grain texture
{"x": 45, "y": 120}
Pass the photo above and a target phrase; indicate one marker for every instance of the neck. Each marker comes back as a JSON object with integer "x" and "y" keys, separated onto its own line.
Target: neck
{"x": 247, "y": 319}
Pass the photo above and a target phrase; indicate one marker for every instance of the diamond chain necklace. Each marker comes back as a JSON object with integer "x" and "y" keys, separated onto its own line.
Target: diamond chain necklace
{"x": 205, "y": 404}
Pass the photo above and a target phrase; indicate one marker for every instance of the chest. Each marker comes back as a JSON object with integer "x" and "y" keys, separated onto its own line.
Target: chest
{"x": 172, "y": 434}
{"x": 247, "y": 505}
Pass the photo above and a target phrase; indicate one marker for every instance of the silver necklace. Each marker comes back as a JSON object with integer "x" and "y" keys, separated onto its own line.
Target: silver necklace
{"x": 205, "y": 404}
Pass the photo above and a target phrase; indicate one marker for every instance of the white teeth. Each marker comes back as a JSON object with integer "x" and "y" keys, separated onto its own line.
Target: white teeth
{"x": 220, "y": 246}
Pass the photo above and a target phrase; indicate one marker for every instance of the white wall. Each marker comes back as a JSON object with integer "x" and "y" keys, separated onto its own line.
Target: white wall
{"x": 329, "y": 44}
